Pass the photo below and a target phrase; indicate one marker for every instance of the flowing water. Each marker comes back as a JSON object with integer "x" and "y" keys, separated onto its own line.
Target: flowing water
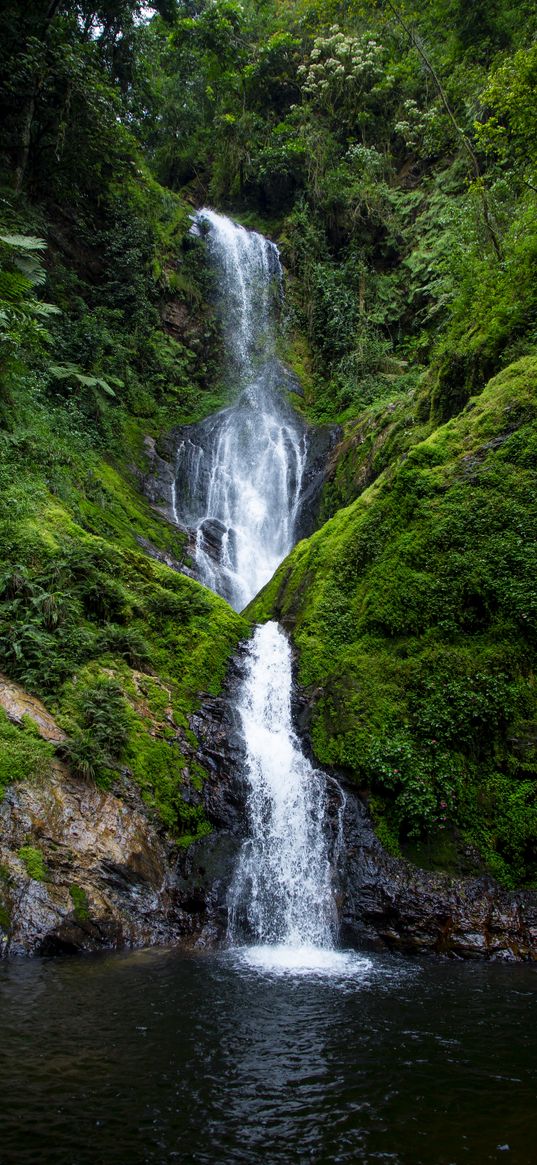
{"x": 239, "y": 473}
{"x": 239, "y": 478}
{"x": 160, "y": 1057}
{"x": 281, "y": 896}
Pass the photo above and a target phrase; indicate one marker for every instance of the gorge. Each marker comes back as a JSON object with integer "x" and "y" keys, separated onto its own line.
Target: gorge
{"x": 268, "y": 551}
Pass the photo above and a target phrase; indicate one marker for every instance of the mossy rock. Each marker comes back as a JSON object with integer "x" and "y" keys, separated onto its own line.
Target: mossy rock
{"x": 414, "y": 611}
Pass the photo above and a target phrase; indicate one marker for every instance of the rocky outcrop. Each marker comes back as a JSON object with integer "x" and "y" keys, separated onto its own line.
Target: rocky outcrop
{"x": 388, "y": 900}
{"x": 105, "y": 874}
{"x": 18, "y": 703}
{"x": 158, "y": 482}
{"x": 82, "y": 869}
{"x": 168, "y": 490}
{"x": 102, "y": 877}
{"x": 321, "y": 441}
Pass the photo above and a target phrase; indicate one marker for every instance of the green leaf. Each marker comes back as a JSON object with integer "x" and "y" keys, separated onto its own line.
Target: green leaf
{"x": 70, "y": 371}
{"x": 45, "y": 309}
{"x": 24, "y": 242}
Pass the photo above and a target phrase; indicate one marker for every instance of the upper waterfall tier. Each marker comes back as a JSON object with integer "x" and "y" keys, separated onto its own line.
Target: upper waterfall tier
{"x": 250, "y": 288}
{"x": 239, "y": 474}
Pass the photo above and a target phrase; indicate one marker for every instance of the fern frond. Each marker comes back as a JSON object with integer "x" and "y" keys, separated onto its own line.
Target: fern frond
{"x": 24, "y": 242}
{"x": 14, "y": 287}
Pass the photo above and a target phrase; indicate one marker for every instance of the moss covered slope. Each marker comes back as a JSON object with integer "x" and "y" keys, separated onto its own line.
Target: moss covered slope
{"x": 118, "y": 645}
{"x": 413, "y": 610}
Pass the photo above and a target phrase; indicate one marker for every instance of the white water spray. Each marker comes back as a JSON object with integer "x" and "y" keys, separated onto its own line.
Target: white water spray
{"x": 239, "y": 473}
{"x": 282, "y": 893}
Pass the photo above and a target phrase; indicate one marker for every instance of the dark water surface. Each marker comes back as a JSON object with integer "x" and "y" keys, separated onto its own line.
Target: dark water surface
{"x": 167, "y": 1057}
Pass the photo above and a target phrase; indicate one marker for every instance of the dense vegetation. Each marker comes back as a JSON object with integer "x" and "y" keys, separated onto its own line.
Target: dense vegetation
{"x": 390, "y": 148}
{"x": 414, "y": 614}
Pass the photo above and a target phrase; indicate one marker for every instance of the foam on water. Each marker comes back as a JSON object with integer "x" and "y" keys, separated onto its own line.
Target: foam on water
{"x": 295, "y": 961}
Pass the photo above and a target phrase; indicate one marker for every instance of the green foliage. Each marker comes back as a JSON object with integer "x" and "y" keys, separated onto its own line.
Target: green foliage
{"x": 509, "y": 132}
{"x": 413, "y": 611}
{"x": 23, "y": 755}
{"x": 80, "y": 903}
{"x": 102, "y": 729}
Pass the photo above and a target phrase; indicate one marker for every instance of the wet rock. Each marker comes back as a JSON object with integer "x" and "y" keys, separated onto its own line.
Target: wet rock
{"x": 108, "y": 880}
{"x": 389, "y": 900}
{"x": 321, "y": 441}
{"x": 168, "y": 481}
{"x": 213, "y": 532}
{"x": 158, "y": 481}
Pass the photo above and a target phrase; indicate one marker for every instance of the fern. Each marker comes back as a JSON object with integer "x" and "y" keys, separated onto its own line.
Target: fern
{"x": 24, "y": 242}
{"x": 71, "y": 372}
{"x": 14, "y": 287}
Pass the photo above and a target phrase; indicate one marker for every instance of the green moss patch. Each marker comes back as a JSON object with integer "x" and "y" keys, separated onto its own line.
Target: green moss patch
{"x": 23, "y": 755}
{"x": 414, "y": 611}
{"x": 34, "y": 863}
{"x": 120, "y": 647}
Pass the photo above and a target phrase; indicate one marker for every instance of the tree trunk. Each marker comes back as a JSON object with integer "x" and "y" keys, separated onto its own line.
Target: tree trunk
{"x": 29, "y": 110}
{"x": 26, "y": 137}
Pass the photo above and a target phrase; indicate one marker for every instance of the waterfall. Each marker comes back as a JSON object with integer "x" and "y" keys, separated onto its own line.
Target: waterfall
{"x": 239, "y": 474}
{"x": 282, "y": 890}
{"x": 239, "y": 477}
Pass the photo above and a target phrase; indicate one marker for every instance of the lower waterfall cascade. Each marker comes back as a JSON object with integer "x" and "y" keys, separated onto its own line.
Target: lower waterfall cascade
{"x": 282, "y": 890}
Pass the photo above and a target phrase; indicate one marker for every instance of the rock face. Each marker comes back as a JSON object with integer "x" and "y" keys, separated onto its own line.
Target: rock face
{"x": 18, "y": 703}
{"x": 387, "y": 900}
{"x": 168, "y": 493}
{"x": 106, "y": 875}
{"x": 321, "y": 440}
{"x": 109, "y": 877}
{"x": 106, "y": 878}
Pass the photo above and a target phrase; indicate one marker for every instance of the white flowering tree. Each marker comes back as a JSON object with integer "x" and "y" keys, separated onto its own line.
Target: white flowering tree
{"x": 344, "y": 77}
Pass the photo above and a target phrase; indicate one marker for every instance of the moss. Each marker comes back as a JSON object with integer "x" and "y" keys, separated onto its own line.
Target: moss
{"x": 34, "y": 863}
{"x": 370, "y": 444}
{"x": 23, "y": 755}
{"x": 120, "y": 646}
{"x": 414, "y": 611}
{"x": 80, "y": 903}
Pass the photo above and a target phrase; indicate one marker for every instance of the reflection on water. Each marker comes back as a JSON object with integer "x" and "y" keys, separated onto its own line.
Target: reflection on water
{"x": 164, "y": 1057}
